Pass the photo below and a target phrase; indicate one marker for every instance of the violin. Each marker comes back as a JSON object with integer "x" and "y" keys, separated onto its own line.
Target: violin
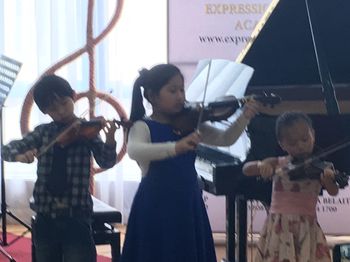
{"x": 77, "y": 131}
{"x": 187, "y": 120}
{"x": 86, "y": 130}
{"x": 312, "y": 168}
{"x": 301, "y": 168}
{"x": 81, "y": 130}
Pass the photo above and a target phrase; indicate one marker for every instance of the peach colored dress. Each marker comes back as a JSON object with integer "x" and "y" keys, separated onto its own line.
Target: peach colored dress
{"x": 291, "y": 232}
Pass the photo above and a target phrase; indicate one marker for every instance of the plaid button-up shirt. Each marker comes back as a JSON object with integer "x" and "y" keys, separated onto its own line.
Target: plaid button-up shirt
{"x": 77, "y": 195}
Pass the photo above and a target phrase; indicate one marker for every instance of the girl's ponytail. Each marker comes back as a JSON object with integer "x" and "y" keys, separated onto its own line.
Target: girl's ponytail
{"x": 137, "y": 108}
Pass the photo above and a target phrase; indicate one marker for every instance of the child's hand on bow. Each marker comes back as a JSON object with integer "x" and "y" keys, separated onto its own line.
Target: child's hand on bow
{"x": 187, "y": 143}
{"x": 27, "y": 157}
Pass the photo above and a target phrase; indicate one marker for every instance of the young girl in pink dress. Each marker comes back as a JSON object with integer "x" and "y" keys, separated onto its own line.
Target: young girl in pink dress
{"x": 291, "y": 232}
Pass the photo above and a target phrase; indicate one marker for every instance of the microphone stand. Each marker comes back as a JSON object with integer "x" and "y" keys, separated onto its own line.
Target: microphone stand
{"x": 3, "y": 203}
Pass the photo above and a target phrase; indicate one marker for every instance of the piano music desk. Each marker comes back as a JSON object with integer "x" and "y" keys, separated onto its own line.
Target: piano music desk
{"x": 104, "y": 216}
{"x": 308, "y": 99}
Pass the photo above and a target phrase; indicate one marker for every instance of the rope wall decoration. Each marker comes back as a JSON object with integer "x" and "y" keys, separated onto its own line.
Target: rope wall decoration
{"x": 92, "y": 93}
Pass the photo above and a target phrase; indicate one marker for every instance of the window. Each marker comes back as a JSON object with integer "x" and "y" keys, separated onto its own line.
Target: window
{"x": 48, "y": 31}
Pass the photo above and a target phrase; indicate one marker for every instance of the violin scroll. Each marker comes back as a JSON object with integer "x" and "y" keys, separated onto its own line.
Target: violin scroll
{"x": 230, "y": 101}
{"x": 123, "y": 123}
{"x": 342, "y": 179}
{"x": 267, "y": 99}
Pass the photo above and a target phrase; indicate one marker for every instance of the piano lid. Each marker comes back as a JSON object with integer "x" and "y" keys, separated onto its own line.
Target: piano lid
{"x": 283, "y": 51}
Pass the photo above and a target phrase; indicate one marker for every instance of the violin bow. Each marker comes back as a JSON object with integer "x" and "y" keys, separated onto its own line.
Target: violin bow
{"x": 331, "y": 149}
{"x": 204, "y": 96}
{"x": 44, "y": 148}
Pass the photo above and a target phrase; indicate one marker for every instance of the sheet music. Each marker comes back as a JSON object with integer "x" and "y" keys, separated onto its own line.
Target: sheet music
{"x": 9, "y": 69}
{"x": 225, "y": 78}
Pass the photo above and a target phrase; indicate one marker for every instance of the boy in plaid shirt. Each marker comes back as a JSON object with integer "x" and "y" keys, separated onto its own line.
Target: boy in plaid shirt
{"x": 62, "y": 201}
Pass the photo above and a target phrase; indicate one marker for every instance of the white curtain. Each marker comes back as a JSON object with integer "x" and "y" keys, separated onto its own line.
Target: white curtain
{"x": 39, "y": 33}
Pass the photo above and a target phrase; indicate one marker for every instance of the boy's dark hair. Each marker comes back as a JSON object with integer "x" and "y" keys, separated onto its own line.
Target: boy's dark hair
{"x": 287, "y": 119}
{"x": 152, "y": 81}
{"x": 49, "y": 88}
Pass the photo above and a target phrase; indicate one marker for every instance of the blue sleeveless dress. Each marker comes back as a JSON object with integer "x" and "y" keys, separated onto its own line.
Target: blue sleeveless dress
{"x": 168, "y": 220}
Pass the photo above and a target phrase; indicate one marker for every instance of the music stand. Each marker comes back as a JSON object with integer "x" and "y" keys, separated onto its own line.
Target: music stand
{"x": 9, "y": 69}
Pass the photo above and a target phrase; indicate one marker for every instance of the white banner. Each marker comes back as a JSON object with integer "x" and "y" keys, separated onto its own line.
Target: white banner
{"x": 332, "y": 212}
{"x": 214, "y": 29}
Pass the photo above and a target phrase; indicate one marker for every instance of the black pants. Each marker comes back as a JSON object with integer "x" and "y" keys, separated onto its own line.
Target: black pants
{"x": 64, "y": 238}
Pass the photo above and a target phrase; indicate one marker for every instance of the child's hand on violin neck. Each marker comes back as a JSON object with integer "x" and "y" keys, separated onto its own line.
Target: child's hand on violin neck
{"x": 187, "y": 143}
{"x": 266, "y": 170}
{"x": 328, "y": 174}
{"x": 27, "y": 157}
{"x": 109, "y": 128}
{"x": 251, "y": 108}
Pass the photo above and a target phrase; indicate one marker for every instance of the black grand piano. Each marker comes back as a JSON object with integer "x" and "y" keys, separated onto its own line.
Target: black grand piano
{"x": 302, "y": 54}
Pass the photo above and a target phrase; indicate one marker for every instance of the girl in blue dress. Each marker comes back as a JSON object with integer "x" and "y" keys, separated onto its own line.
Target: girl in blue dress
{"x": 168, "y": 220}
